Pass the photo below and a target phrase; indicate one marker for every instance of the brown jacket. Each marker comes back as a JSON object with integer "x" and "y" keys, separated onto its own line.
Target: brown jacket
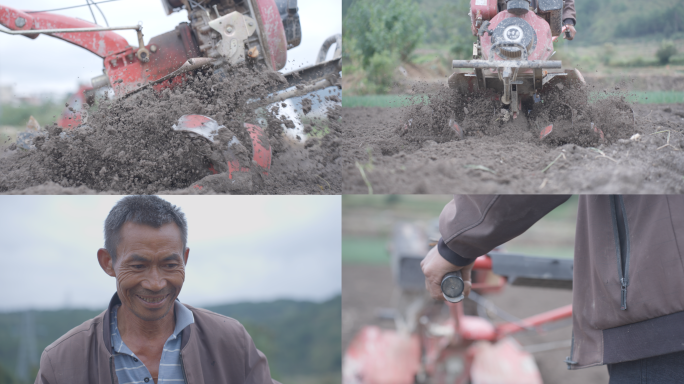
{"x": 215, "y": 349}
{"x": 568, "y": 9}
{"x": 628, "y": 277}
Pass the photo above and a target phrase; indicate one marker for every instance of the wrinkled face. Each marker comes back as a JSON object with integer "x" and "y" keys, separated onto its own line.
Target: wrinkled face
{"x": 149, "y": 269}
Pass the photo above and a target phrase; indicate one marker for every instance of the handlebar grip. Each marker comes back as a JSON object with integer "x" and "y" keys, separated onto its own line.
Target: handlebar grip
{"x": 567, "y": 31}
{"x": 452, "y": 287}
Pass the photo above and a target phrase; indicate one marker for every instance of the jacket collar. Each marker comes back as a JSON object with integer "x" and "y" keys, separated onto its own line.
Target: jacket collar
{"x": 106, "y": 322}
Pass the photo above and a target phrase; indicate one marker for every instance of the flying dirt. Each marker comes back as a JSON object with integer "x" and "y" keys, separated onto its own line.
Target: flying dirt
{"x": 642, "y": 149}
{"x": 128, "y": 145}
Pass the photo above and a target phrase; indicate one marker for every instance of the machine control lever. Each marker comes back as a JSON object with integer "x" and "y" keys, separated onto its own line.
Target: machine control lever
{"x": 452, "y": 287}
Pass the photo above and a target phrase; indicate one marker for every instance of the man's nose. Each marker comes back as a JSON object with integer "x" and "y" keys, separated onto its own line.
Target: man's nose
{"x": 155, "y": 280}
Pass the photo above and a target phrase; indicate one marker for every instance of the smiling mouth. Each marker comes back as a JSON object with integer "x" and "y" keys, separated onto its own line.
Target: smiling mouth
{"x": 153, "y": 300}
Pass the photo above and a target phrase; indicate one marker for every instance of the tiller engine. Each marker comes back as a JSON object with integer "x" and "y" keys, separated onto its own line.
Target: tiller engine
{"x": 219, "y": 32}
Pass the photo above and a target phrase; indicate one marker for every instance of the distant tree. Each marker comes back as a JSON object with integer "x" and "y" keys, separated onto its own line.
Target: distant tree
{"x": 391, "y": 28}
{"x": 447, "y": 23}
{"x": 345, "y": 7}
{"x": 667, "y": 49}
{"x": 6, "y": 376}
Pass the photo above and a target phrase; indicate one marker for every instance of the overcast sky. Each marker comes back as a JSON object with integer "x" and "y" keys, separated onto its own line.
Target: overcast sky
{"x": 47, "y": 64}
{"x": 242, "y": 248}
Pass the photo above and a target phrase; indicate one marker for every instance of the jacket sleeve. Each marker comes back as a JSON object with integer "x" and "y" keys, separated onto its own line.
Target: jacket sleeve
{"x": 257, "y": 366}
{"x": 472, "y": 225}
{"x": 46, "y": 374}
{"x": 569, "y": 11}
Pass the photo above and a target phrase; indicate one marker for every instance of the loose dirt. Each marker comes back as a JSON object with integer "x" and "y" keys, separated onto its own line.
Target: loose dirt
{"x": 128, "y": 146}
{"x": 368, "y": 289}
{"x": 414, "y": 150}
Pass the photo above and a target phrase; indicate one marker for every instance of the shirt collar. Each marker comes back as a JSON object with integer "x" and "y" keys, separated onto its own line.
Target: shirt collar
{"x": 184, "y": 318}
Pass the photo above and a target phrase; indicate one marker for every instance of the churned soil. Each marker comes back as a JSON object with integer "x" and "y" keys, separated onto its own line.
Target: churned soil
{"x": 128, "y": 145}
{"x": 414, "y": 150}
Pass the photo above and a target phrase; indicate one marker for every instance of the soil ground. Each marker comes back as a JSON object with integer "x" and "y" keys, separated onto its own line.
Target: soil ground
{"x": 367, "y": 288}
{"x": 128, "y": 145}
{"x": 509, "y": 158}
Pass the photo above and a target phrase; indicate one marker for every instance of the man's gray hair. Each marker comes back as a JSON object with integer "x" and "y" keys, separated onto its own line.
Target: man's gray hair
{"x": 146, "y": 210}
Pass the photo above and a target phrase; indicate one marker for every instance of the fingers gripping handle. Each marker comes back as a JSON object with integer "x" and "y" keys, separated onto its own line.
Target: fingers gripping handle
{"x": 452, "y": 287}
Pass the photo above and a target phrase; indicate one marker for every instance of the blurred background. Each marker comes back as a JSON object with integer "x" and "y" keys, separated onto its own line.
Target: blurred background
{"x": 389, "y": 43}
{"x": 37, "y": 76}
{"x": 369, "y": 291}
{"x": 273, "y": 263}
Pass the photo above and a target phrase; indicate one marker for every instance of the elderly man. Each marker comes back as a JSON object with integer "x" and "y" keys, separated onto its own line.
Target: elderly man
{"x": 628, "y": 280}
{"x": 146, "y": 334}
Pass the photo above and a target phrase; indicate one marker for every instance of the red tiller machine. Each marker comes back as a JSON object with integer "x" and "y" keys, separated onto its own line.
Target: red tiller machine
{"x": 219, "y": 32}
{"x": 512, "y": 57}
{"x": 460, "y": 348}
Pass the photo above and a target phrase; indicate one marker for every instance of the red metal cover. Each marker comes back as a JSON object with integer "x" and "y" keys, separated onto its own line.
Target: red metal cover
{"x": 71, "y": 118}
{"x": 487, "y": 8}
{"x": 503, "y": 363}
{"x": 378, "y": 356}
{"x": 272, "y": 33}
{"x": 546, "y": 131}
{"x": 260, "y": 146}
{"x": 261, "y": 151}
{"x": 544, "y": 47}
{"x": 481, "y": 10}
{"x": 100, "y": 43}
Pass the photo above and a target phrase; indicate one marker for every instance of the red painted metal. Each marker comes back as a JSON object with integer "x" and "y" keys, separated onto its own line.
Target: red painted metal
{"x": 260, "y": 146}
{"x": 546, "y": 131}
{"x": 488, "y": 365}
{"x": 127, "y": 73}
{"x": 377, "y": 356}
{"x": 542, "y": 50}
{"x": 487, "y": 8}
{"x": 69, "y": 119}
{"x": 485, "y": 352}
{"x": 481, "y": 10}
{"x": 195, "y": 121}
{"x": 536, "y": 320}
{"x": 476, "y": 328}
{"x": 101, "y": 43}
{"x": 598, "y": 131}
{"x": 456, "y": 128}
{"x": 483, "y": 262}
{"x": 234, "y": 166}
{"x": 9, "y": 16}
{"x": 272, "y": 33}
{"x": 207, "y": 127}
{"x": 261, "y": 151}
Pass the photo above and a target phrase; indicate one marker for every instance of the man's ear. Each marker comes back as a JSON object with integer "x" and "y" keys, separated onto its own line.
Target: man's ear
{"x": 185, "y": 256}
{"x": 106, "y": 262}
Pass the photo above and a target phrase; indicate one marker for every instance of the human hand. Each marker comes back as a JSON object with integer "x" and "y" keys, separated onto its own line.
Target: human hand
{"x": 434, "y": 268}
{"x": 569, "y": 28}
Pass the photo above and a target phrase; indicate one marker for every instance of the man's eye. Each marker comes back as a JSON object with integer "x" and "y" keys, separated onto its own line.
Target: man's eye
{"x": 137, "y": 266}
{"x": 172, "y": 265}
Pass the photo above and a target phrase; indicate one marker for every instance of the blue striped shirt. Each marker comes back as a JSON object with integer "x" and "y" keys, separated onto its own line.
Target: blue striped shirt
{"x": 130, "y": 370}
